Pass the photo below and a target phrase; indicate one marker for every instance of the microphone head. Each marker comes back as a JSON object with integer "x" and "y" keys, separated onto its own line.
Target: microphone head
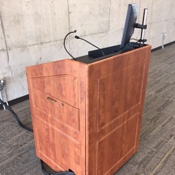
{"x": 77, "y": 37}
{"x": 75, "y": 31}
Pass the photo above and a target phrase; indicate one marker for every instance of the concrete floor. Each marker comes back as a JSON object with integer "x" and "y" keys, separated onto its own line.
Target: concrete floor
{"x": 156, "y": 155}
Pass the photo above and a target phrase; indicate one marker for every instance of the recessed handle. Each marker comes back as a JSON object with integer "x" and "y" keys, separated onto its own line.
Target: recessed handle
{"x": 51, "y": 99}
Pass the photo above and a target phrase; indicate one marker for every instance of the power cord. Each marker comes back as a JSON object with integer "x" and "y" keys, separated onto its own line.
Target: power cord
{"x": 16, "y": 117}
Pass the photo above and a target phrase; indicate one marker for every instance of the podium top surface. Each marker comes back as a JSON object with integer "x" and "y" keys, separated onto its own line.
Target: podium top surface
{"x": 96, "y": 55}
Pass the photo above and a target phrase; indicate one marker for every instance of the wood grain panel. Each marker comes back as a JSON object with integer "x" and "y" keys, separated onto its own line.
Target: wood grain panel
{"x": 118, "y": 92}
{"x": 52, "y": 145}
{"x": 62, "y": 87}
{"x": 116, "y": 145}
{"x": 116, "y": 87}
{"x": 117, "y": 122}
{"x": 51, "y": 119}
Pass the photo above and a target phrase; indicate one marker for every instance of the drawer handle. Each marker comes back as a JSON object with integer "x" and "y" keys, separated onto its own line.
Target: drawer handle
{"x": 51, "y": 99}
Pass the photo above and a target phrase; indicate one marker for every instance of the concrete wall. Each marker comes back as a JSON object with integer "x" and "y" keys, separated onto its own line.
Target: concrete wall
{"x": 32, "y": 31}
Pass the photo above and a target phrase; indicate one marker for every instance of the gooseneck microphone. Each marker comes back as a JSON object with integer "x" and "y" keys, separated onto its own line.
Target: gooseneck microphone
{"x": 64, "y": 43}
{"x": 77, "y": 37}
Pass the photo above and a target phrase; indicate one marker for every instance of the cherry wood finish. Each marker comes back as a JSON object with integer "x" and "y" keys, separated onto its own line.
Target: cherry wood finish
{"x": 87, "y": 117}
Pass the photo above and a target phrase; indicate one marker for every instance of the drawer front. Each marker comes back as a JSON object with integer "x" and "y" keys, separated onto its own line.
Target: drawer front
{"x": 60, "y": 111}
{"x": 63, "y": 87}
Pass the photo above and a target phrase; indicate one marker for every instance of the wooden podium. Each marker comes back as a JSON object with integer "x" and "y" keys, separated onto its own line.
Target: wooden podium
{"x": 87, "y": 117}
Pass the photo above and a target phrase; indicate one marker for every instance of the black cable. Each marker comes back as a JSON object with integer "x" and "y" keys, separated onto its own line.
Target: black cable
{"x": 16, "y": 117}
{"x": 60, "y": 173}
{"x": 64, "y": 43}
{"x": 77, "y": 37}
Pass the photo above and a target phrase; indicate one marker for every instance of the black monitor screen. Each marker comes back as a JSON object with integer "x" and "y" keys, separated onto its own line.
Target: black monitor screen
{"x": 130, "y": 22}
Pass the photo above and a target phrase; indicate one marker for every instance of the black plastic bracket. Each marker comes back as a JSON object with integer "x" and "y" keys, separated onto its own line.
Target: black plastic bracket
{"x": 142, "y": 40}
{"x": 140, "y": 26}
